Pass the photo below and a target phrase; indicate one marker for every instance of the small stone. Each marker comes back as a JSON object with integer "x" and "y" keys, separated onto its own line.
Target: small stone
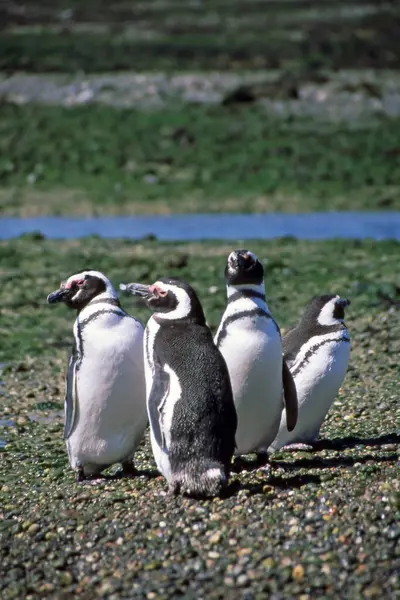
{"x": 242, "y": 580}
{"x": 298, "y": 573}
{"x": 244, "y": 551}
{"x": 268, "y": 563}
{"x": 372, "y": 592}
{"x": 215, "y": 538}
{"x": 34, "y": 528}
{"x": 213, "y": 554}
{"x": 65, "y": 578}
{"x": 326, "y": 569}
{"x": 46, "y": 587}
{"x": 360, "y": 569}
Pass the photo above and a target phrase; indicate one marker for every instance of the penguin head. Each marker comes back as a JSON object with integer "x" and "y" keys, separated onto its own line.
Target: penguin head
{"x": 170, "y": 299}
{"x": 243, "y": 267}
{"x": 326, "y": 310}
{"x": 79, "y": 289}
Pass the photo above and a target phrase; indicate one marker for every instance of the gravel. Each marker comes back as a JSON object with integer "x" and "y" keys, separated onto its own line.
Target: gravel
{"x": 342, "y": 95}
{"x": 321, "y": 524}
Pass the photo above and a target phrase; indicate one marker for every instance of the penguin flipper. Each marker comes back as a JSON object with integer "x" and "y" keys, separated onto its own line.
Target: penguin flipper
{"x": 290, "y": 397}
{"x": 71, "y": 396}
{"x": 158, "y": 395}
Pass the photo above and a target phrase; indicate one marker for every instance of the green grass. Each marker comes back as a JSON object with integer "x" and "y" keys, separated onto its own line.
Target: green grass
{"x": 315, "y": 525}
{"x": 217, "y": 35}
{"x": 97, "y": 159}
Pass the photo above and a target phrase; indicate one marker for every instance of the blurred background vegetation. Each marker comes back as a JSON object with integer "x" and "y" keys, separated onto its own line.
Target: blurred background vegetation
{"x": 195, "y": 106}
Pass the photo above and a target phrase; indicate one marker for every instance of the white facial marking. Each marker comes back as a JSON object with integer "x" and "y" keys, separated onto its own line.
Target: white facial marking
{"x": 184, "y": 304}
{"x": 326, "y": 317}
{"x": 253, "y": 256}
{"x": 232, "y": 256}
{"x": 109, "y": 292}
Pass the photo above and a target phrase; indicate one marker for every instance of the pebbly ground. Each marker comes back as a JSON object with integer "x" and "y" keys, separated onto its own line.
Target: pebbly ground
{"x": 320, "y": 524}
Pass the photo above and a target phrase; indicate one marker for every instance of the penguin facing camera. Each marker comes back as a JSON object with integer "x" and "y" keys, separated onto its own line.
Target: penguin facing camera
{"x": 105, "y": 400}
{"x": 317, "y": 351}
{"x": 189, "y": 396}
{"x": 250, "y": 341}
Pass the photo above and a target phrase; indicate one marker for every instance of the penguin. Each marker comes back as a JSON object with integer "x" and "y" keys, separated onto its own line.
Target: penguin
{"x": 189, "y": 396}
{"x": 317, "y": 351}
{"x": 105, "y": 399}
{"x": 250, "y": 341}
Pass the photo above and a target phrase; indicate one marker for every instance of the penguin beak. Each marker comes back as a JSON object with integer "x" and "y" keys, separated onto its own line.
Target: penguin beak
{"x": 137, "y": 289}
{"x": 245, "y": 259}
{"x": 58, "y": 296}
{"x": 343, "y": 302}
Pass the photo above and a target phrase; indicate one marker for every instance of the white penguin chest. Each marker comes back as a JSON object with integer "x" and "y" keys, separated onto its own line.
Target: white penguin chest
{"x": 252, "y": 349}
{"x": 110, "y": 390}
{"x": 319, "y": 373}
{"x": 252, "y": 353}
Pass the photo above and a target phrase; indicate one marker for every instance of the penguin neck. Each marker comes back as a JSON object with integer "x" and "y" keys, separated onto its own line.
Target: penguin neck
{"x": 247, "y": 294}
{"x": 107, "y": 298}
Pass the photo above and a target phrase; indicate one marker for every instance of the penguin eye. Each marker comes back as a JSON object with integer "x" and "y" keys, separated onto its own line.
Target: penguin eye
{"x": 80, "y": 282}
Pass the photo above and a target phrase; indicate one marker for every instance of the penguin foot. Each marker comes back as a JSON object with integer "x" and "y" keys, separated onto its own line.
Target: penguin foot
{"x": 242, "y": 464}
{"x": 262, "y": 458}
{"x": 91, "y": 479}
{"x": 174, "y": 488}
{"x": 295, "y": 447}
{"x": 128, "y": 469}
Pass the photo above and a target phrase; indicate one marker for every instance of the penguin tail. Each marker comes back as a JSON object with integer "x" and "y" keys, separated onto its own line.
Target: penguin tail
{"x": 202, "y": 481}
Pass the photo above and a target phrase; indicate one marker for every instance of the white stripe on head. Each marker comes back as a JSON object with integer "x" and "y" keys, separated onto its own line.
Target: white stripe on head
{"x": 109, "y": 291}
{"x": 183, "y": 307}
{"x": 326, "y": 317}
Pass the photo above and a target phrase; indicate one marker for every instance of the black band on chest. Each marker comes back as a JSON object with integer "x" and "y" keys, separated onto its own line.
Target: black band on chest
{"x": 254, "y": 312}
{"x": 99, "y": 313}
{"x": 314, "y": 348}
{"x": 245, "y": 294}
{"x": 112, "y": 301}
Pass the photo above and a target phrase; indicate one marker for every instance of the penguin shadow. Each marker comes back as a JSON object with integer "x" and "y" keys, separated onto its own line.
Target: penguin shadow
{"x": 353, "y": 441}
{"x": 343, "y": 461}
{"x": 120, "y": 474}
{"x": 134, "y": 473}
{"x": 241, "y": 464}
{"x": 275, "y": 481}
{"x": 339, "y": 461}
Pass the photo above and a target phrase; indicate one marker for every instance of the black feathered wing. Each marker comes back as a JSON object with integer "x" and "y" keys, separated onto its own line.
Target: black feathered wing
{"x": 158, "y": 395}
{"x": 71, "y": 396}
{"x": 289, "y": 396}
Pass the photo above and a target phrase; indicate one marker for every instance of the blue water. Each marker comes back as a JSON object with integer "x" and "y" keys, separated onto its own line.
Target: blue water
{"x": 311, "y": 226}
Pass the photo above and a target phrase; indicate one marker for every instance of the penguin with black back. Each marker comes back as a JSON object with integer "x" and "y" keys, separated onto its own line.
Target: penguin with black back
{"x": 317, "y": 351}
{"x": 105, "y": 398}
{"x": 250, "y": 341}
{"x": 189, "y": 396}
